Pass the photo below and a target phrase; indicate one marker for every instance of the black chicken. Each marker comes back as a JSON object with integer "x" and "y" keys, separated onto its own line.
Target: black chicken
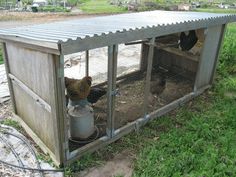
{"x": 95, "y": 94}
{"x": 188, "y": 41}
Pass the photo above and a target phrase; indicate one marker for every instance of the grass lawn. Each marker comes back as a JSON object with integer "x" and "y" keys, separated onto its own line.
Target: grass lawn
{"x": 200, "y": 138}
{"x": 216, "y": 10}
{"x": 100, "y": 6}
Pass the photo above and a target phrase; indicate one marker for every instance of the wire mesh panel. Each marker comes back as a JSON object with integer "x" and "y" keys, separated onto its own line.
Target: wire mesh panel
{"x": 175, "y": 64}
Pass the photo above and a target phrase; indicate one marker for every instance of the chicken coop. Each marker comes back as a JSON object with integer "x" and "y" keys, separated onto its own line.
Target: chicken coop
{"x": 177, "y": 58}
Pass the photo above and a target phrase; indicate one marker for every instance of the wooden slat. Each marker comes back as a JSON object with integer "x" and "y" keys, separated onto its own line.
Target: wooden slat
{"x": 37, "y": 98}
{"x": 36, "y": 117}
{"x": 178, "y": 52}
{"x": 33, "y": 44}
{"x": 33, "y": 68}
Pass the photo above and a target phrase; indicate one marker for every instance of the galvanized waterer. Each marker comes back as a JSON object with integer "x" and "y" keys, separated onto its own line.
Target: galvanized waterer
{"x": 81, "y": 121}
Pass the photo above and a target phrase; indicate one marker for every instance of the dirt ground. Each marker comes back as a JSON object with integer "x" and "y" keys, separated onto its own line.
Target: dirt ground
{"x": 16, "y": 19}
{"x": 120, "y": 165}
{"x": 5, "y": 110}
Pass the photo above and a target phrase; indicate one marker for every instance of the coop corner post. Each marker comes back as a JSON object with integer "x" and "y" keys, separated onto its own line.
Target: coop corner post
{"x": 6, "y": 63}
{"x": 148, "y": 76}
{"x": 62, "y": 109}
{"x": 111, "y": 91}
{"x": 209, "y": 56}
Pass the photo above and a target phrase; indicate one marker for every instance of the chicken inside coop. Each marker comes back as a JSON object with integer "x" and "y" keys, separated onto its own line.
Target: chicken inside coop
{"x": 175, "y": 63}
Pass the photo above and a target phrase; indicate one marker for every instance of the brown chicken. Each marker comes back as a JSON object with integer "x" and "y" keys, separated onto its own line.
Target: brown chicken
{"x": 78, "y": 89}
{"x": 158, "y": 85}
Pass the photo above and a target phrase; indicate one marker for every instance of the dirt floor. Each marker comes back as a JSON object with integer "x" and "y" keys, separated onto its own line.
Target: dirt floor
{"x": 129, "y": 101}
{"x": 120, "y": 165}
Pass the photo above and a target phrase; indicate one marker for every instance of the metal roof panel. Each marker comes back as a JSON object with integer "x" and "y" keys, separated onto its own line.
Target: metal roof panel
{"x": 64, "y": 32}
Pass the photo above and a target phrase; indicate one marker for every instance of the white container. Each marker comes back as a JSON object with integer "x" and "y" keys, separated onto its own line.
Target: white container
{"x": 81, "y": 121}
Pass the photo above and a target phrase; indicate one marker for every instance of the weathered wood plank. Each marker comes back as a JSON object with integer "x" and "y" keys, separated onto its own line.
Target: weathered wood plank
{"x": 61, "y": 111}
{"x": 33, "y": 68}
{"x": 37, "y": 118}
{"x": 209, "y": 56}
{"x": 37, "y": 98}
{"x": 177, "y": 52}
{"x": 37, "y": 140}
{"x": 48, "y": 47}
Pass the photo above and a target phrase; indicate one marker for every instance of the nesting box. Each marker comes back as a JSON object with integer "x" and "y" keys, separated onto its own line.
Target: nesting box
{"x": 34, "y": 60}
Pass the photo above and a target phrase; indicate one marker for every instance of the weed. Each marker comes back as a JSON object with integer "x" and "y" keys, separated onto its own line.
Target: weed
{"x": 84, "y": 162}
{"x": 12, "y": 123}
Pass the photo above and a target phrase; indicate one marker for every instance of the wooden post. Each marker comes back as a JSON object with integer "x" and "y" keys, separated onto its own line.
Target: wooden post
{"x": 112, "y": 70}
{"x": 143, "y": 57}
{"x": 62, "y": 112}
{"x": 87, "y": 63}
{"x": 5, "y": 57}
{"x": 148, "y": 76}
{"x": 209, "y": 56}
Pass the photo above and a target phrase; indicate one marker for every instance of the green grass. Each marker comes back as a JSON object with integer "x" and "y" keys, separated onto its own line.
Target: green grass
{"x": 52, "y": 9}
{"x": 199, "y": 139}
{"x": 216, "y": 10}
{"x": 12, "y": 123}
{"x": 100, "y": 6}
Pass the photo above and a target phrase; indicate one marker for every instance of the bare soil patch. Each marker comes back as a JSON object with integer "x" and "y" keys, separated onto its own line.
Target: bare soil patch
{"x": 120, "y": 165}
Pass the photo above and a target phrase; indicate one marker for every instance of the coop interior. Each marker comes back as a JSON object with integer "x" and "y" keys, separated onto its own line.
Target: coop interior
{"x": 174, "y": 68}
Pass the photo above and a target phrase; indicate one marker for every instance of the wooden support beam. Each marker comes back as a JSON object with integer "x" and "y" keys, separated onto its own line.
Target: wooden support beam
{"x": 87, "y": 63}
{"x": 5, "y": 57}
{"x": 209, "y": 56}
{"x": 148, "y": 76}
{"x": 136, "y": 42}
{"x": 62, "y": 118}
{"x": 112, "y": 71}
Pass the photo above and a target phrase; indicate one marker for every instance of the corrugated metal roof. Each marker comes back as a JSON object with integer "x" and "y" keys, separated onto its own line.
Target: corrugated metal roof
{"x": 82, "y": 29}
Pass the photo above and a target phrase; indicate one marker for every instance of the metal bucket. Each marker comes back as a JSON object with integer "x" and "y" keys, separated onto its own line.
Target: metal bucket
{"x": 81, "y": 121}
